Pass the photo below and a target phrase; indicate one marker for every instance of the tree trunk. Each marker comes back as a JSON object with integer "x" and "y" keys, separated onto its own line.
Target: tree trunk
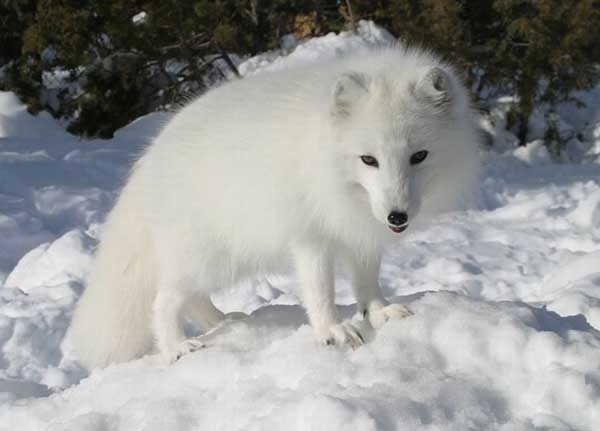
{"x": 523, "y": 128}
{"x": 527, "y": 90}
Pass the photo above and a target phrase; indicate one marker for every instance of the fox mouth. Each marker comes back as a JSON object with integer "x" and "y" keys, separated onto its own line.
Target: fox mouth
{"x": 398, "y": 229}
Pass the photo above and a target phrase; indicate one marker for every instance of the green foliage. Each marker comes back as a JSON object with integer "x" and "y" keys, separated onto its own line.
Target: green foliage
{"x": 15, "y": 16}
{"x": 118, "y": 69}
{"x": 549, "y": 49}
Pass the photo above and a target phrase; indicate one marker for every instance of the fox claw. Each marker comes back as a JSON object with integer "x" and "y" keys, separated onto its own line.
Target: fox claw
{"x": 185, "y": 347}
{"x": 378, "y": 315}
{"x": 340, "y": 334}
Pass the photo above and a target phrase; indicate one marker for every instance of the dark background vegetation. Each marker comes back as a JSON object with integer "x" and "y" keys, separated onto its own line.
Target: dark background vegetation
{"x": 114, "y": 68}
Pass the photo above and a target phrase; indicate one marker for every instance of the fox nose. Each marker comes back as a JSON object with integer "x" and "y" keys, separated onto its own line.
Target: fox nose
{"x": 397, "y": 218}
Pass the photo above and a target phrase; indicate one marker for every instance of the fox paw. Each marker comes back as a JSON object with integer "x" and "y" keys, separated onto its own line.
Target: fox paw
{"x": 378, "y": 314}
{"x": 186, "y": 346}
{"x": 341, "y": 334}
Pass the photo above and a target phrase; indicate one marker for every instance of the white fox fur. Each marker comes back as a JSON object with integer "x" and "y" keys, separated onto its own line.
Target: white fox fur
{"x": 265, "y": 173}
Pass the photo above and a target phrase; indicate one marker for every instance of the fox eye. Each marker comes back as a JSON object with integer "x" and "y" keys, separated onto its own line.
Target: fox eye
{"x": 418, "y": 157}
{"x": 370, "y": 161}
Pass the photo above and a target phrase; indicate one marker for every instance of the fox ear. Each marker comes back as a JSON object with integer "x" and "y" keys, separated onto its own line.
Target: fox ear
{"x": 347, "y": 91}
{"x": 435, "y": 87}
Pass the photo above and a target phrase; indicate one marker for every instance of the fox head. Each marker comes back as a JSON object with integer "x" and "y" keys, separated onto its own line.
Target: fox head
{"x": 406, "y": 144}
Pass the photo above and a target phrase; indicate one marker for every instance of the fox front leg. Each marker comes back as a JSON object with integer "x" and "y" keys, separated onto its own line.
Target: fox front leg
{"x": 315, "y": 268}
{"x": 369, "y": 297}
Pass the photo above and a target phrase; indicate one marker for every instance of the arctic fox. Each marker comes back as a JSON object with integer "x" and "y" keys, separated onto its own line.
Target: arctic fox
{"x": 290, "y": 168}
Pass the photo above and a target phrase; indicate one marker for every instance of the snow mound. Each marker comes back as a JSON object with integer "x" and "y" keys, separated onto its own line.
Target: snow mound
{"x": 317, "y": 49}
{"x": 457, "y": 364}
{"x": 16, "y": 121}
{"x": 51, "y": 264}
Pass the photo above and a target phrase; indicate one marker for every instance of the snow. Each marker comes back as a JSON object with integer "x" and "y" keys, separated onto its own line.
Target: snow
{"x": 139, "y": 18}
{"x": 505, "y": 336}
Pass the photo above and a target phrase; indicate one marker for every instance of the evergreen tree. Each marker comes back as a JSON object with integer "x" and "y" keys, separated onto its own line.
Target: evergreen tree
{"x": 549, "y": 49}
{"x": 123, "y": 58}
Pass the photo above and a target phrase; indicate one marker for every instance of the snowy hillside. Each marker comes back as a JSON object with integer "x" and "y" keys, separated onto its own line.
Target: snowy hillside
{"x": 505, "y": 336}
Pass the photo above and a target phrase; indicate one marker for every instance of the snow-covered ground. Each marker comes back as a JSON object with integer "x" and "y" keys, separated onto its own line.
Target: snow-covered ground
{"x": 505, "y": 336}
